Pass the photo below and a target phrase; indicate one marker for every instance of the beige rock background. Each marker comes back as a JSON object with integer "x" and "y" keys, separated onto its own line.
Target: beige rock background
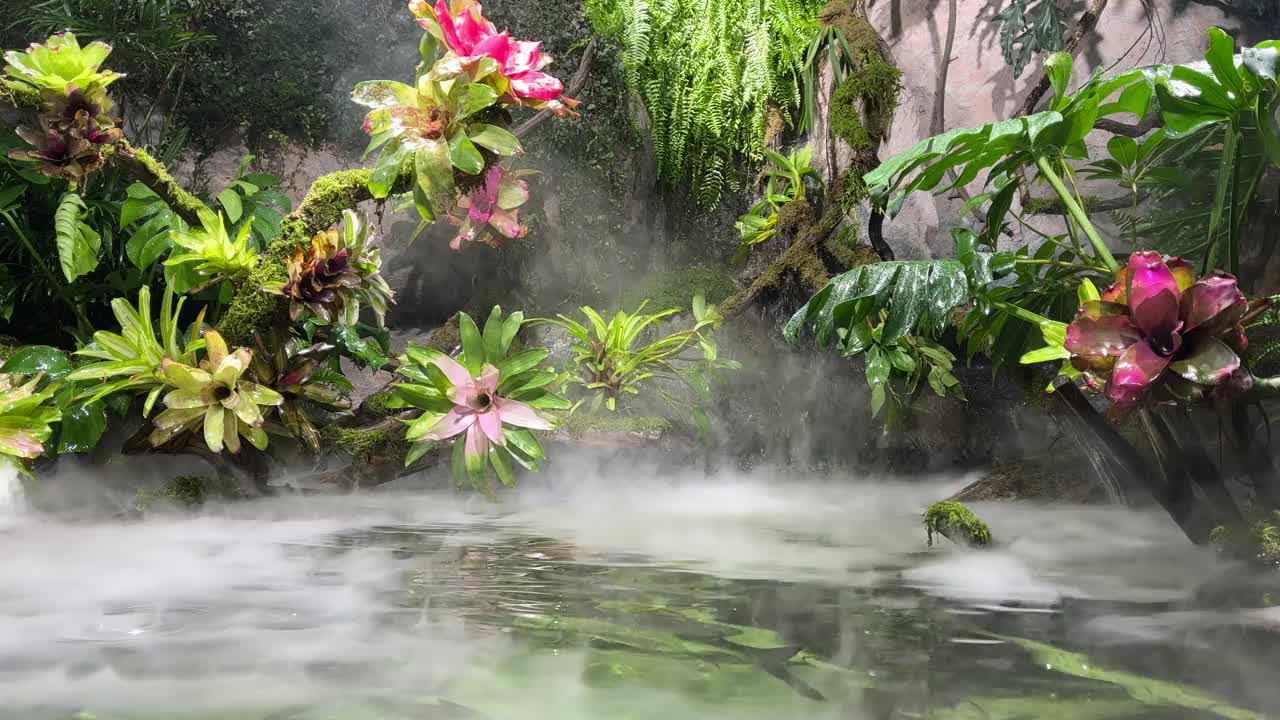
{"x": 982, "y": 88}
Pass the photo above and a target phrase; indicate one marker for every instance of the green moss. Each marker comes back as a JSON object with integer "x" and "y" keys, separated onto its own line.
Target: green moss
{"x": 186, "y": 492}
{"x": 7, "y": 346}
{"x": 957, "y": 523}
{"x": 376, "y": 404}
{"x": 252, "y": 308}
{"x": 20, "y": 95}
{"x": 163, "y": 183}
{"x": 794, "y": 216}
{"x": 447, "y": 337}
{"x": 580, "y": 424}
{"x": 322, "y": 208}
{"x": 367, "y": 445}
{"x": 676, "y": 289}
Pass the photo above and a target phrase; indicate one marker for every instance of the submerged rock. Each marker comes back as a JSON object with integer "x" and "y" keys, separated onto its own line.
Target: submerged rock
{"x": 956, "y": 523}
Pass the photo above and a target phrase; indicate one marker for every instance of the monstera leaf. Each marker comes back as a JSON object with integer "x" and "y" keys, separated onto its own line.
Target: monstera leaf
{"x": 919, "y": 296}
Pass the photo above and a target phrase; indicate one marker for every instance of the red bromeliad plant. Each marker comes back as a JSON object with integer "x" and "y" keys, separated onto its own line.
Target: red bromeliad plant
{"x": 450, "y": 126}
{"x": 1160, "y": 334}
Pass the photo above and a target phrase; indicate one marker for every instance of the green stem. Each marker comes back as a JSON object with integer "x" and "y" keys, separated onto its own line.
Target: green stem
{"x": 1020, "y": 313}
{"x": 1227, "y": 176}
{"x": 1077, "y": 213}
{"x": 1058, "y": 263}
{"x": 55, "y": 283}
{"x": 1265, "y": 387}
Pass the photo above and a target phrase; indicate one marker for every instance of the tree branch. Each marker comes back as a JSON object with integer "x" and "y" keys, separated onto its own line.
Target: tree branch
{"x": 1094, "y": 205}
{"x": 1088, "y": 21}
{"x": 1149, "y": 123}
{"x": 139, "y": 165}
{"x": 576, "y": 85}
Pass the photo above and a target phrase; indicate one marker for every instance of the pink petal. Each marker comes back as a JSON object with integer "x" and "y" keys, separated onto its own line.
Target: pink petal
{"x": 520, "y": 415}
{"x": 447, "y": 26}
{"x": 524, "y": 56}
{"x": 1153, "y": 294}
{"x": 537, "y": 85}
{"x": 1215, "y": 303}
{"x": 490, "y": 424}
{"x": 1101, "y": 329}
{"x": 472, "y": 28}
{"x": 1134, "y": 372}
{"x": 453, "y": 423}
{"x": 457, "y": 374}
{"x": 507, "y": 223}
{"x": 495, "y": 46}
{"x": 488, "y": 380}
{"x": 477, "y": 443}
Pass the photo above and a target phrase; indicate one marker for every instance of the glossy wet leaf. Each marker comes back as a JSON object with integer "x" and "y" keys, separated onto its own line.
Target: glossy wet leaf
{"x": 37, "y": 359}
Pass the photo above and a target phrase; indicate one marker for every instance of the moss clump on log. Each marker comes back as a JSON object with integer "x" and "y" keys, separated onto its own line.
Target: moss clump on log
{"x": 152, "y": 173}
{"x": 19, "y": 94}
{"x": 800, "y": 258}
{"x": 253, "y": 308}
{"x": 371, "y": 446}
{"x": 957, "y": 523}
{"x": 186, "y": 492}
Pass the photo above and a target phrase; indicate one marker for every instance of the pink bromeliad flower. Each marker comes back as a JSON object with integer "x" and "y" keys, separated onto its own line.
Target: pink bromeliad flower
{"x": 478, "y": 411}
{"x": 1158, "y": 322}
{"x": 461, "y": 25}
{"x": 491, "y": 205}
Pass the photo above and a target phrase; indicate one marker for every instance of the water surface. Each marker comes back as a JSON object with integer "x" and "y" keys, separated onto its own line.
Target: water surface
{"x": 621, "y": 598}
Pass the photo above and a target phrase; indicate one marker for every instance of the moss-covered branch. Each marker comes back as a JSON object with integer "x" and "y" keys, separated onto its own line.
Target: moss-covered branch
{"x": 139, "y": 165}
{"x": 18, "y": 94}
{"x": 957, "y": 523}
{"x": 800, "y": 259}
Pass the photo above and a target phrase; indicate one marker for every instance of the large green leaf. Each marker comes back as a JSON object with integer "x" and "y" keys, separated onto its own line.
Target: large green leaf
{"x": 82, "y": 427}
{"x": 919, "y": 296}
{"x": 78, "y": 244}
{"x": 36, "y": 359}
{"x": 434, "y": 171}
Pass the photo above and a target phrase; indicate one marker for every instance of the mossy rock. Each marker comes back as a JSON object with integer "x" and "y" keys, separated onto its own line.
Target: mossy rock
{"x": 675, "y": 289}
{"x": 957, "y": 523}
{"x": 186, "y": 492}
{"x": 380, "y": 445}
{"x": 376, "y": 405}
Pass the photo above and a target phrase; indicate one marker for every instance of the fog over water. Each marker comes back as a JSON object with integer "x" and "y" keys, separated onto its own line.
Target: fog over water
{"x": 582, "y": 596}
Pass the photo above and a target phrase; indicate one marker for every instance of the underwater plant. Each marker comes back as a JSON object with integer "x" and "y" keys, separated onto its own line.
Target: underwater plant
{"x": 486, "y": 401}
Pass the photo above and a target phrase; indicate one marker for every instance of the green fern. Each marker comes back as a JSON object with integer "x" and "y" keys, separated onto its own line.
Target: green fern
{"x": 1264, "y": 338}
{"x": 708, "y": 72}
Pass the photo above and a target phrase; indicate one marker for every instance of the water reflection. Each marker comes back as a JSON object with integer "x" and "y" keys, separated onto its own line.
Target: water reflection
{"x": 733, "y": 600}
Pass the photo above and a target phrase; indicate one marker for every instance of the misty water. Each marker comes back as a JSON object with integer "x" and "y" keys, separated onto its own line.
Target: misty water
{"x": 621, "y": 596}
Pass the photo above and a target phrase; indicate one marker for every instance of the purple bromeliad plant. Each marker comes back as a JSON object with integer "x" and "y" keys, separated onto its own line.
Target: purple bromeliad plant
{"x": 1159, "y": 332}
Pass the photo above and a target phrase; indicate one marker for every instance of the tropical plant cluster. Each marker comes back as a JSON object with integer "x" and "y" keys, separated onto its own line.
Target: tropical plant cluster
{"x": 201, "y": 382}
{"x": 1169, "y": 329}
